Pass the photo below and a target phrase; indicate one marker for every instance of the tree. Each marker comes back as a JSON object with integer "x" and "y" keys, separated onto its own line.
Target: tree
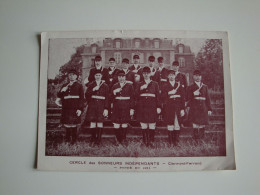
{"x": 210, "y": 62}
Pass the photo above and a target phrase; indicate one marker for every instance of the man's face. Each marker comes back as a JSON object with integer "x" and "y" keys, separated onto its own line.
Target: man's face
{"x": 98, "y": 76}
{"x": 146, "y": 75}
{"x": 151, "y": 63}
{"x": 72, "y": 76}
{"x": 98, "y": 63}
{"x": 125, "y": 65}
{"x": 112, "y": 63}
{"x": 171, "y": 77}
{"x": 161, "y": 63}
{"x": 136, "y": 61}
{"x": 197, "y": 78}
{"x": 121, "y": 79}
{"x": 175, "y": 68}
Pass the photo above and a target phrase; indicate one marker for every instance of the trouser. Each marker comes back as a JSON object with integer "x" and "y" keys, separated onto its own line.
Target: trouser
{"x": 148, "y": 133}
{"x": 71, "y": 134}
{"x": 198, "y": 131}
{"x": 120, "y": 132}
{"x": 96, "y": 132}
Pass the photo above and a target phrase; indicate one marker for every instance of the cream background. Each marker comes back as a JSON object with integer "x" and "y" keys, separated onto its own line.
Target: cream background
{"x": 21, "y": 22}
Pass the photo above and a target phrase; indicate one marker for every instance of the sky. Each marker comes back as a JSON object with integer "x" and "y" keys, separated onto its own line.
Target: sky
{"x": 60, "y": 50}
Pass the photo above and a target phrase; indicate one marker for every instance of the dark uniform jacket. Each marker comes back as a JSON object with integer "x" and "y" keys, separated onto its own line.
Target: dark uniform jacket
{"x": 130, "y": 76}
{"x": 112, "y": 76}
{"x": 122, "y": 101}
{"x": 105, "y": 76}
{"x": 173, "y": 103}
{"x": 137, "y": 72}
{"x": 97, "y": 102}
{"x": 72, "y": 100}
{"x": 147, "y": 102}
{"x": 182, "y": 78}
{"x": 199, "y": 104}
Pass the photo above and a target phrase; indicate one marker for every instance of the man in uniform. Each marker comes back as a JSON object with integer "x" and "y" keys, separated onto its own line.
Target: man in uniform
{"x": 163, "y": 72}
{"x": 174, "y": 103}
{"x": 123, "y": 105}
{"x": 148, "y": 106}
{"x": 130, "y": 76}
{"x": 155, "y": 75}
{"x": 98, "y": 66}
{"x": 112, "y": 72}
{"x": 72, "y": 98}
{"x": 136, "y": 68}
{"x": 199, "y": 103}
{"x": 97, "y": 95}
{"x": 179, "y": 76}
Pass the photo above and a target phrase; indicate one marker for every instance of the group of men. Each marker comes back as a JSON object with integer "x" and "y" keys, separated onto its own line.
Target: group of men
{"x": 143, "y": 92}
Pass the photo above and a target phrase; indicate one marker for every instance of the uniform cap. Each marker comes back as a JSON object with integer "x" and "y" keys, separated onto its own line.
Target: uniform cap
{"x": 146, "y": 69}
{"x": 125, "y": 60}
{"x": 121, "y": 73}
{"x": 160, "y": 59}
{"x": 136, "y": 57}
{"x": 98, "y": 58}
{"x": 151, "y": 58}
{"x": 112, "y": 59}
{"x": 196, "y": 72}
{"x": 73, "y": 71}
{"x": 171, "y": 72}
{"x": 97, "y": 72}
{"x": 175, "y": 63}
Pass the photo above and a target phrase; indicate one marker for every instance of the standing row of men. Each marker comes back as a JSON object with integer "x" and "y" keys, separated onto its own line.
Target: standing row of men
{"x": 132, "y": 90}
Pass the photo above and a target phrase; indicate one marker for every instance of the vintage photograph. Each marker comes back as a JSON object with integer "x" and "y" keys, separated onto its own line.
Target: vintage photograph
{"x": 135, "y": 96}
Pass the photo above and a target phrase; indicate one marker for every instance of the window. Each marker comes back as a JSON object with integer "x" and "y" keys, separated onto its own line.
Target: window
{"x": 147, "y": 42}
{"x": 137, "y": 43}
{"x": 118, "y": 43}
{"x": 180, "y": 49}
{"x": 94, "y": 48}
{"x": 118, "y": 58}
{"x": 181, "y": 62}
{"x": 156, "y": 44}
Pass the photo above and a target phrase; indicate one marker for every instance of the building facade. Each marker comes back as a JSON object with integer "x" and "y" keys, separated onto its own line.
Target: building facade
{"x": 119, "y": 48}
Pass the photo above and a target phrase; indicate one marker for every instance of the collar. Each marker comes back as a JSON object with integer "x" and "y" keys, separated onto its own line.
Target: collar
{"x": 147, "y": 81}
{"x": 100, "y": 68}
{"x": 160, "y": 68}
{"x": 197, "y": 83}
{"x": 172, "y": 83}
{"x": 122, "y": 84}
{"x": 136, "y": 66}
{"x": 98, "y": 82}
{"x": 71, "y": 82}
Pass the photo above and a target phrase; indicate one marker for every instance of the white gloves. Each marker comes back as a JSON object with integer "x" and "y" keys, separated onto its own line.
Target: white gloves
{"x": 159, "y": 110}
{"x": 182, "y": 113}
{"x": 105, "y": 113}
{"x": 117, "y": 90}
{"x": 143, "y": 86}
{"x": 132, "y": 112}
{"x": 96, "y": 88}
{"x": 78, "y": 112}
{"x": 64, "y": 89}
{"x": 209, "y": 113}
{"x": 196, "y": 92}
{"x": 58, "y": 102}
{"x": 137, "y": 78}
{"x": 172, "y": 92}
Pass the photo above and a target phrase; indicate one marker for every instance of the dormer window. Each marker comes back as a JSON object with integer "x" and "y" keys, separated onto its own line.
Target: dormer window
{"x": 181, "y": 62}
{"x": 156, "y": 43}
{"x": 137, "y": 43}
{"x": 118, "y": 43}
{"x": 94, "y": 48}
{"x": 181, "y": 49}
